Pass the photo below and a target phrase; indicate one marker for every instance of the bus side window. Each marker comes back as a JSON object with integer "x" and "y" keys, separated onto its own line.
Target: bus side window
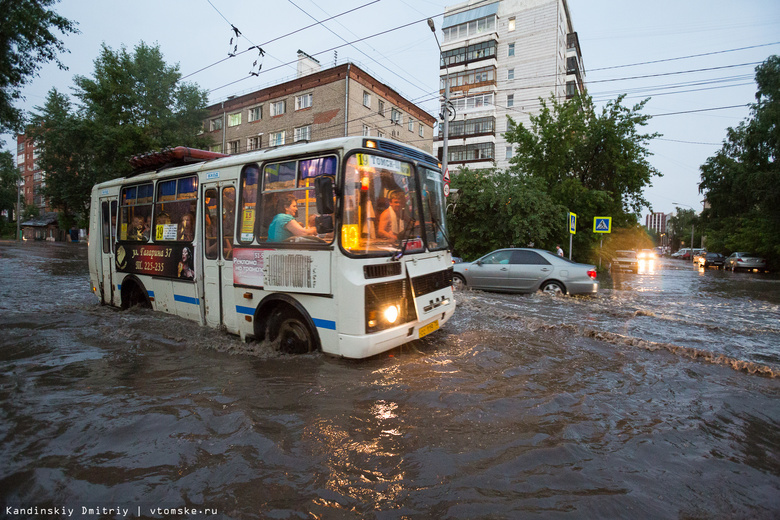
{"x": 228, "y": 221}
{"x": 106, "y": 227}
{"x": 248, "y": 207}
{"x": 210, "y": 222}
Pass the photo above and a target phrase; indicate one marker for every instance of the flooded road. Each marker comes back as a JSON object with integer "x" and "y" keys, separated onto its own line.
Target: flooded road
{"x": 658, "y": 398}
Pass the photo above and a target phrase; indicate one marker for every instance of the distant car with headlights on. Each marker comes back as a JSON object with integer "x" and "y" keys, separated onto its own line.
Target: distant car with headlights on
{"x": 746, "y": 261}
{"x": 710, "y": 260}
{"x": 647, "y": 254}
{"x": 626, "y": 260}
{"x": 525, "y": 270}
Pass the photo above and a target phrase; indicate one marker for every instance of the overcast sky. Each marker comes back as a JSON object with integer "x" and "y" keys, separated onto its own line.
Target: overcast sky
{"x": 617, "y": 37}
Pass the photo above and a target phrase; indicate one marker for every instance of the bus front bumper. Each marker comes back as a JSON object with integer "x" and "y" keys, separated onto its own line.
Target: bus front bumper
{"x": 367, "y": 345}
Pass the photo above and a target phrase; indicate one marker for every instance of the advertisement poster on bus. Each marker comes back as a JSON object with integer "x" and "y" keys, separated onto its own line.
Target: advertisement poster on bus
{"x": 172, "y": 261}
{"x": 282, "y": 270}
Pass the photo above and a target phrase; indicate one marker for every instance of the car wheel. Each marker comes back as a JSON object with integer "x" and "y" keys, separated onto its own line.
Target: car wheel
{"x": 294, "y": 336}
{"x": 458, "y": 282}
{"x": 553, "y": 288}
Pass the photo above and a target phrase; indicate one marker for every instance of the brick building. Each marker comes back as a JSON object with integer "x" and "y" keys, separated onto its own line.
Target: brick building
{"x": 318, "y": 104}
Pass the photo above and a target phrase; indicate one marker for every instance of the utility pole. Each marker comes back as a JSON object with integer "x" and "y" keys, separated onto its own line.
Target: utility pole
{"x": 446, "y": 112}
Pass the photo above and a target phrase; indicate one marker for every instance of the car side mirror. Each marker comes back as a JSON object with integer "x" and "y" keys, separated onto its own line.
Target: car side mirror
{"x": 479, "y": 262}
{"x": 323, "y": 191}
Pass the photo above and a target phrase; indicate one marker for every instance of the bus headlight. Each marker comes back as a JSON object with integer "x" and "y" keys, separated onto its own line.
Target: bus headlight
{"x": 391, "y": 313}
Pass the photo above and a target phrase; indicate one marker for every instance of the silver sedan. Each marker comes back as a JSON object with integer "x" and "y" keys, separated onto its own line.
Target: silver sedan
{"x": 747, "y": 261}
{"x": 526, "y": 270}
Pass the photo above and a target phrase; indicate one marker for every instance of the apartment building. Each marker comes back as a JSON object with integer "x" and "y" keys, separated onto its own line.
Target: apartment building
{"x": 318, "y": 104}
{"x": 656, "y": 222}
{"x": 33, "y": 178}
{"x": 500, "y": 57}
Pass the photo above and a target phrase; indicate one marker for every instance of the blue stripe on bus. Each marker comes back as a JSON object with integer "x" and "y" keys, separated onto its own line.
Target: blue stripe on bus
{"x": 320, "y": 324}
{"x": 324, "y": 324}
{"x": 150, "y": 293}
{"x": 186, "y": 299}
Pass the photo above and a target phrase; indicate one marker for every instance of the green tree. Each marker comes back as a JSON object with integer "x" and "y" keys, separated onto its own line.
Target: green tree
{"x": 593, "y": 163}
{"x": 27, "y": 41}
{"x": 679, "y": 227}
{"x": 9, "y": 176}
{"x": 742, "y": 180}
{"x": 496, "y": 209}
{"x": 133, "y": 104}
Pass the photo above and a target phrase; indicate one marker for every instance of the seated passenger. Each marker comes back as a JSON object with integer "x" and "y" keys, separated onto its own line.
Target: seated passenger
{"x": 187, "y": 227}
{"x": 284, "y": 225}
{"x": 391, "y": 223}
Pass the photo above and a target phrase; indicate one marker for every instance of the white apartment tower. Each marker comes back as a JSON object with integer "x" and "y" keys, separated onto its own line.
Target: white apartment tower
{"x": 500, "y": 58}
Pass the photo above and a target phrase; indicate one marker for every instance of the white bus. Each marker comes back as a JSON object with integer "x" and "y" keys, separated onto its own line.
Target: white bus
{"x": 338, "y": 245}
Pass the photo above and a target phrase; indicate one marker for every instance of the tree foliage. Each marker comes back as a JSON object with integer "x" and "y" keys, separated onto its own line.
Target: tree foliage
{"x": 27, "y": 41}
{"x": 9, "y": 176}
{"x": 496, "y": 209}
{"x": 742, "y": 180}
{"x": 593, "y": 163}
{"x": 134, "y": 103}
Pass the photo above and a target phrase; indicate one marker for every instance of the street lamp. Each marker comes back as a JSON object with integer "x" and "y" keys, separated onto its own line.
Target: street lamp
{"x": 446, "y": 112}
{"x": 694, "y": 212}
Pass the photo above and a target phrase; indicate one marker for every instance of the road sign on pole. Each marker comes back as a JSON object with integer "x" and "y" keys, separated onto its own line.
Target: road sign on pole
{"x": 602, "y": 224}
{"x": 573, "y": 223}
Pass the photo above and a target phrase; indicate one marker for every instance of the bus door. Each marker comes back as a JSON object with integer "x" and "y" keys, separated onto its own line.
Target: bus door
{"x": 108, "y": 216}
{"x": 219, "y": 205}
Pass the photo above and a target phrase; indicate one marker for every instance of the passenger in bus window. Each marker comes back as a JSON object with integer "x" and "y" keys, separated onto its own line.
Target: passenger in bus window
{"x": 391, "y": 222}
{"x": 284, "y": 225}
{"x": 187, "y": 227}
{"x": 139, "y": 229}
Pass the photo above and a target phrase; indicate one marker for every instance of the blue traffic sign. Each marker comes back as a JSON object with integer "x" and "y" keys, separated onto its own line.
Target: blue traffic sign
{"x": 602, "y": 224}
{"x": 573, "y": 223}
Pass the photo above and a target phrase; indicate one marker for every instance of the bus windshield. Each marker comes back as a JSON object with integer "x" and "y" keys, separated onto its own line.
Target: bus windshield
{"x": 382, "y": 213}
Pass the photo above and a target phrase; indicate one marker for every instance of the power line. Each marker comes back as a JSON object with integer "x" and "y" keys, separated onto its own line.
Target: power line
{"x": 699, "y": 110}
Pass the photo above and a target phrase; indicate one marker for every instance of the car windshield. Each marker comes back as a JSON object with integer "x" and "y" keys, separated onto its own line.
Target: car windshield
{"x": 381, "y": 211}
{"x": 627, "y": 254}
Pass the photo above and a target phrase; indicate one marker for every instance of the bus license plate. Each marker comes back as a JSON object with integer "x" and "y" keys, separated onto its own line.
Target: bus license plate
{"x": 424, "y": 331}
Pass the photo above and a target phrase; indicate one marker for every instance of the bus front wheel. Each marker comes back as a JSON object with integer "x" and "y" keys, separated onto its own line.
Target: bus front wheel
{"x": 293, "y": 334}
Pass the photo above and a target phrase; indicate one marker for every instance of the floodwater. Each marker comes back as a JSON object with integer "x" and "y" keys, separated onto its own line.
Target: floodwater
{"x": 657, "y": 398}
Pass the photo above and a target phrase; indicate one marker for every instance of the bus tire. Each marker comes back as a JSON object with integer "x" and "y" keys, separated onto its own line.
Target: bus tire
{"x": 134, "y": 294}
{"x": 293, "y": 334}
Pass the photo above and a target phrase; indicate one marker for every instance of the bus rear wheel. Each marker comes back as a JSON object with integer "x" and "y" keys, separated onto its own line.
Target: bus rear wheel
{"x": 293, "y": 334}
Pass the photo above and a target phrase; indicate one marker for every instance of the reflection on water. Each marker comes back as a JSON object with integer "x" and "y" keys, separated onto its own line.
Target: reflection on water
{"x": 523, "y": 405}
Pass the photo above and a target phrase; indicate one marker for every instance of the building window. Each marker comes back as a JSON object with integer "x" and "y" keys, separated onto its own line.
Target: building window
{"x": 395, "y": 116}
{"x": 303, "y": 101}
{"x": 277, "y": 108}
{"x": 277, "y": 139}
{"x": 215, "y": 124}
{"x": 380, "y": 134}
{"x": 508, "y": 152}
{"x": 470, "y": 29}
{"x": 470, "y": 152}
{"x": 302, "y": 134}
{"x": 234, "y": 147}
{"x": 254, "y": 143}
{"x": 381, "y": 108}
{"x": 510, "y": 100}
{"x": 366, "y": 131}
{"x": 421, "y": 130}
{"x": 510, "y": 125}
{"x": 510, "y": 74}
{"x": 511, "y": 24}
{"x": 366, "y": 99}
{"x": 256, "y": 113}
{"x": 469, "y": 127}
{"x": 461, "y": 79}
{"x": 411, "y": 124}
{"x": 511, "y": 50}
{"x": 234, "y": 119}
{"x": 215, "y": 148}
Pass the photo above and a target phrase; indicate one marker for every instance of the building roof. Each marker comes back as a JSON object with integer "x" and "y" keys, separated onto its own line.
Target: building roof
{"x": 42, "y": 221}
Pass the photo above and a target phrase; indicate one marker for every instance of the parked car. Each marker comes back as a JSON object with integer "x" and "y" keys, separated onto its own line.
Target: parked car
{"x": 525, "y": 270}
{"x": 626, "y": 260}
{"x": 748, "y": 261}
{"x": 681, "y": 252}
{"x": 710, "y": 260}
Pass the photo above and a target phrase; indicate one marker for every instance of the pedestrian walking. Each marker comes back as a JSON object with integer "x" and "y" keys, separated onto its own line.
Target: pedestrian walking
{"x": 559, "y": 250}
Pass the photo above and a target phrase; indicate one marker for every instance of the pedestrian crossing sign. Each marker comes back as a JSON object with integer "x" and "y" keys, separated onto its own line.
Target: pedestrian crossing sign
{"x": 572, "y": 223}
{"x": 602, "y": 224}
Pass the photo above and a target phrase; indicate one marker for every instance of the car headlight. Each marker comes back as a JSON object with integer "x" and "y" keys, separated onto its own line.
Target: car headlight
{"x": 391, "y": 313}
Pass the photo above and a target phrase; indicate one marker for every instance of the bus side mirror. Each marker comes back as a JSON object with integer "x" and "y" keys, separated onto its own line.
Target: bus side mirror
{"x": 323, "y": 191}
{"x": 324, "y": 224}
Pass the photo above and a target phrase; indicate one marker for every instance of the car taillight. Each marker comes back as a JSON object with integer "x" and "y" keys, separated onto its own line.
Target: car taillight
{"x": 592, "y": 274}
{"x": 739, "y": 259}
